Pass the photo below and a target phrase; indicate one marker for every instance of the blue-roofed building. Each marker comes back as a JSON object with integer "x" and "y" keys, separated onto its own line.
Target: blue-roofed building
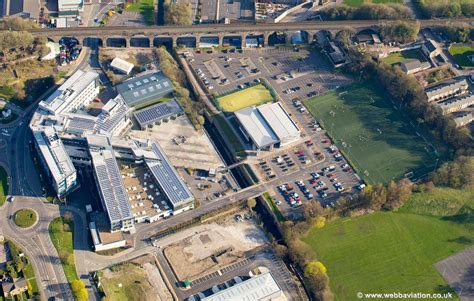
{"x": 145, "y": 89}
{"x": 156, "y": 114}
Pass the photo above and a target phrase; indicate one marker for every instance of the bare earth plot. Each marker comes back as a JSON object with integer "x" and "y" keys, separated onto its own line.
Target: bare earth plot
{"x": 207, "y": 248}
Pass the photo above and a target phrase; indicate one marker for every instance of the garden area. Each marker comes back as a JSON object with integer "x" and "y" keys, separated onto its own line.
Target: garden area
{"x": 400, "y": 57}
{"x": 463, "y": 55}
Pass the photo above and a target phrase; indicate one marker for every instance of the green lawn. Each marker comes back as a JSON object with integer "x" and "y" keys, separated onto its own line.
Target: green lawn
{"x": 254, "y": 95}
{"x": 3, "y": 185}
{"x": 25, "y": 218}
{"x": 399, "y": 57}
{"x": 387, "y": 252}
{"x": 461, "y": 54}
{"x": 29, "y": 274}
{"x": 146, "y": 8}
{"x": 360, "y": 2}
{"x": 133, "y": 280}
{"x": 61, "y": 233}
{"x": 379, "y": 143}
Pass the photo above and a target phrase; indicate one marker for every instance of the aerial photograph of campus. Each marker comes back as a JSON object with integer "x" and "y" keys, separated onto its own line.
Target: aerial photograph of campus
{"x": 236, "y": 150}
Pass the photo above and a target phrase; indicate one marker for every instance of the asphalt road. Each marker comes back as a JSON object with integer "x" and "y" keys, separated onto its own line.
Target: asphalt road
{"x": 35, "y": 242}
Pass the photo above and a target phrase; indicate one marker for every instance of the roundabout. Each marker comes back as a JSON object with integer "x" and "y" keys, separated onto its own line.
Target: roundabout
{"x": 25, "y": 218}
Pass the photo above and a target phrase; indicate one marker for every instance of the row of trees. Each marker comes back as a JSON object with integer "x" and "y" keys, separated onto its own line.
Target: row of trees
{"x": 17, "y": 23}
{"x": 402, "y": 32}
{"x": 367, "y": 12}
{"x": 446, "y": 8}
{"x": 179, "y": 13}
{"x": 409, "y": 95}
{"x": 171, "y": 69}
{"x": 459, "y": 33}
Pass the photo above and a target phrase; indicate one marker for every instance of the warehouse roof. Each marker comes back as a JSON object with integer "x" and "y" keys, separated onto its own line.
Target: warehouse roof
{"x": 145, "y": 88}
{"x": 279, "y": 121}
{"x": 262, "y": 287}
{"x": 256, "y": 127}
{"x": 157, "y": 112}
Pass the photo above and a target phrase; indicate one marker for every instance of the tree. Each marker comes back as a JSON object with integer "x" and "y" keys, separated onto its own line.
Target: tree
{"x": 402, "y": 32}
{"x": 79, "y": 290}
{"x": 320, "y": 222}
{"x": 179, "y": 13}
{"x": 251, "y": 203}
{"x": 17, "y": 23}
{"x": 315, "y": 267}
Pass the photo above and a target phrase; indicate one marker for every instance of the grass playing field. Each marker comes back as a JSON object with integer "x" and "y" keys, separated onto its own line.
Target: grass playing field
{"x": 360, "y": 2}
{"x": 126, "y": 282}
{"x": 379, "y": 143}
{"x": 461, "y": 54}
{"x": 387, "y": 252}
{"x": 399, "y": 57}
{"x": 254, "y": 95}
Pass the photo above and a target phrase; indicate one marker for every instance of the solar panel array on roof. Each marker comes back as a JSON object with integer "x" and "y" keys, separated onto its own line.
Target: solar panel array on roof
{"x": 107, "y": 122}
{"x": 167, "y": 177}
{"x": 110, "y": 184}
{"x": 157, "y": 112}
{"x": 145, "y": 88}
{"x": 81, "y": 124}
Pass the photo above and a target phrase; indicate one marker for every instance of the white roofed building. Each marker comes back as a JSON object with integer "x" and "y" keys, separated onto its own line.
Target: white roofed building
{"x": 70, "y": 7}
{"x": 267, "y": 126}
{"x": 262, "y": 287}
{"x": 55, "y": 160}
{"x": 74, "y": 94}
{"x": 121, "y": 66}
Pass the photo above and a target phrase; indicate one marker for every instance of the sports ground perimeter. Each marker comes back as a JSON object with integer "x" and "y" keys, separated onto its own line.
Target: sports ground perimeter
{"x": 372, "y": 134}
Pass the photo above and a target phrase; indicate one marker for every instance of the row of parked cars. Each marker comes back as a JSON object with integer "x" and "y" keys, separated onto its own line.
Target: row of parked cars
{"x": 204, "y": 79}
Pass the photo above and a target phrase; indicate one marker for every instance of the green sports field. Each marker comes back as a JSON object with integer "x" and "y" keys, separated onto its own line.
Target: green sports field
{"x": 254, "y": 95}
{"x": 461, "y": 54}
{"x": 378, "y": 142}
{"x": 360, "y": 2}
{"x": 387, "y": 252}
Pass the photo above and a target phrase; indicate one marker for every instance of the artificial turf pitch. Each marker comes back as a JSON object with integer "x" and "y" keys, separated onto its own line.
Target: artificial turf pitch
{"x": 254, "y": 95}
{"x": 372, "y": 134}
